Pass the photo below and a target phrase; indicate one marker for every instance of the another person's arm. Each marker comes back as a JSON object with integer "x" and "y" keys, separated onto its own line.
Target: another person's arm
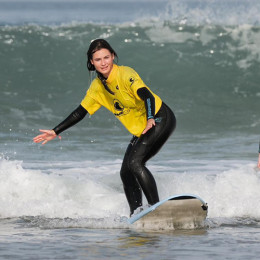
{"x": 258, "y": 164}
{"x": 47, "y": 135}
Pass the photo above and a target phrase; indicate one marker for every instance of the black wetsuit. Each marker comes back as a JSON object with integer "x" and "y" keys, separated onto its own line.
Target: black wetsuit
{"x": 134, "y": 174}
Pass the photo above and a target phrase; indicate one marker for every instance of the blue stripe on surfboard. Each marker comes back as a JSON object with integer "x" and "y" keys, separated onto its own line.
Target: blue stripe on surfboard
{"x": 134, "y": 218}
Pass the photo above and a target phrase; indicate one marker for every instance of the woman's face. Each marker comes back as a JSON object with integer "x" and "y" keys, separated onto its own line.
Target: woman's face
{"x": 103, "y": 61}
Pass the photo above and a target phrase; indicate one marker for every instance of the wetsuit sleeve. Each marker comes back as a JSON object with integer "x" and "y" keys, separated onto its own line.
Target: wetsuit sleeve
{"x": 77, "y": 115}
{"x": 149, "y": 101}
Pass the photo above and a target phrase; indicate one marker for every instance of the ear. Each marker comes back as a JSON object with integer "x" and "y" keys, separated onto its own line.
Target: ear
{"x": 92, "y": 62}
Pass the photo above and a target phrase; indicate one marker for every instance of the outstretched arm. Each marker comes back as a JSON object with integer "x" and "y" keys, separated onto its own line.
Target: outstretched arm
{"x": 47, "y": 135}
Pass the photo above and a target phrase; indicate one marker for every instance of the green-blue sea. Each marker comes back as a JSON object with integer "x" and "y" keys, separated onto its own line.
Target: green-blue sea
{"x": 65, "y": 200}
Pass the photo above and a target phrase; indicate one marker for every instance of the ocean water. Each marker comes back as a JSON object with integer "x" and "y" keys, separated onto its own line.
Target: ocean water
{"x": 65, "y": 200}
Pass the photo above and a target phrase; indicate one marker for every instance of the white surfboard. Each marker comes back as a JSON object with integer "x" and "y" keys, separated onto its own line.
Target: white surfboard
{"x": 176, "y": 212}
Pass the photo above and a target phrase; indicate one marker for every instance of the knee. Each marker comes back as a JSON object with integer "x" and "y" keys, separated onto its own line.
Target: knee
{"x": 127, "y": 169}
{"x": 124, "y": 172}
{"x": 135, "y": 167}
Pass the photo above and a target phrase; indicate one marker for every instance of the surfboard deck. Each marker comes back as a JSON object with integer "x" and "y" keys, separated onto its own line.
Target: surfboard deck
{"x": 176, "y": 212}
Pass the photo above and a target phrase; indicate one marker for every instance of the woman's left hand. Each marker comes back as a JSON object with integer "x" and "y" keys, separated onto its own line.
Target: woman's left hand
{"x": 149, "y": 125}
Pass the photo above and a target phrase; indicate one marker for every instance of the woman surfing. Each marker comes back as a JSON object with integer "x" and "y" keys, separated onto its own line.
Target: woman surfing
{"x": 151, "y": 122}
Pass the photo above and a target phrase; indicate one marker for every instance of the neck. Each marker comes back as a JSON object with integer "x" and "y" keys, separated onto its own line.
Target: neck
{"x": 103, "y": 80}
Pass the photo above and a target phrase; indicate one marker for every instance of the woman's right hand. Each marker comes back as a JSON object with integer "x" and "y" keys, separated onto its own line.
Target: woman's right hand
{"x": 46, "y": 136}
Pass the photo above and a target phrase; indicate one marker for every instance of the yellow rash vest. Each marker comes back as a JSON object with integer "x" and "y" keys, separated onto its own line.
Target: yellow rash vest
{"x": 125, "y": 103}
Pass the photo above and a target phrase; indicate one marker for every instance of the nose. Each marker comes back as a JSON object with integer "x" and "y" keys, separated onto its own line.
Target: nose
{"x": 103, "y": 62}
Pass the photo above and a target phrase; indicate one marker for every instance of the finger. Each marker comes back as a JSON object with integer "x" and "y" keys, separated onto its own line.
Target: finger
{"x": 44, "y": 131}
{"x": 145, "y": 130}
{"x": 44, "y": 142}
{"x": 36, "y": 138}
{"x": 39, "y": 138}
{"x": 148, "y": 127}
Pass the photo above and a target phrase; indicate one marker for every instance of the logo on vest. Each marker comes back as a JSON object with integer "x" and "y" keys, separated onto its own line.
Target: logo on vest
{"x": 120, "y": 110}
{"x": 132, "y": 80}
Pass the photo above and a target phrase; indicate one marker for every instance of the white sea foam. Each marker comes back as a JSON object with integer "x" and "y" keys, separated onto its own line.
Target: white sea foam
{"x": 93, "y": 196}
{"x": 230, "y": 193}
{"x": 231, "y": 12}
{"x": 25, "y": 192}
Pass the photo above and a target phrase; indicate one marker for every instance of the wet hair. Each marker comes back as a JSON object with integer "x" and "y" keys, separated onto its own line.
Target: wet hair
{"x": 97, "y": 45}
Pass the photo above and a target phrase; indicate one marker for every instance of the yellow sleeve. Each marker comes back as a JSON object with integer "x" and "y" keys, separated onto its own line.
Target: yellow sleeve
{"x": 134, "y": 81}
{"x": 90, "y": 104}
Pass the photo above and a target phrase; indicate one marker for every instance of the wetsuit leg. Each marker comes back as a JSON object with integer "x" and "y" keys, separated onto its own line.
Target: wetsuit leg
{"x": 134, "y": 173}
{"x": 131, "y": 185}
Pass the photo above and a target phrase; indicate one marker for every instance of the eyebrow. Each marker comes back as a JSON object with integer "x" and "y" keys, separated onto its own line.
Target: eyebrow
{"x": 103, "y": 57}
